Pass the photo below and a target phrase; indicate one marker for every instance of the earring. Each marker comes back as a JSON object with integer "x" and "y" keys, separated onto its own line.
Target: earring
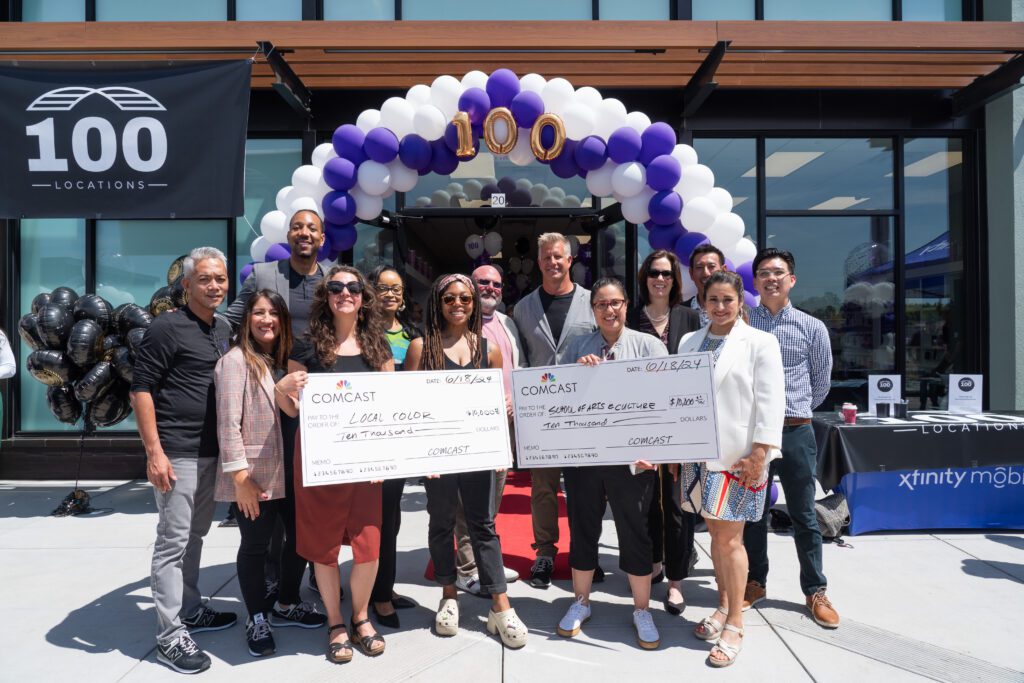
{"x": 402, "y": 307}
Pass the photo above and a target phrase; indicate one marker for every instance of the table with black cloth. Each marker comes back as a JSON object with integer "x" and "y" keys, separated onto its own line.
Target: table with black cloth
{"x": 930, "y": 470}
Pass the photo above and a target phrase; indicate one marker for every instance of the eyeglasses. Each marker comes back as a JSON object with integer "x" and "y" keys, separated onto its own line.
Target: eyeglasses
{"x": 450, "y": 299}
{"x": 393, "y": 289}
{"x": 765, "y": 274}
{"x": 355, "y": 288}
{"x": 493, "y": 284}
{"x": 655, "y": 274}
{"x": 614, "y": 304}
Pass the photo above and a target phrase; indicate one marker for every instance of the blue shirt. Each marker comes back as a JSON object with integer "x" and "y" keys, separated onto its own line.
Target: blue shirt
{"x": 806, "y": 356}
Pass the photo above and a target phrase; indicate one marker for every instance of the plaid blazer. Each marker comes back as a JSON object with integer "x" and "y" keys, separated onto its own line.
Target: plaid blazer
{"x": 248, "y": 428}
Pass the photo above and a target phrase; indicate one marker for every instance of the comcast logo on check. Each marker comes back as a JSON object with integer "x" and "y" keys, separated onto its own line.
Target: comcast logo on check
{"x": 547, "y": 378}
{"x": 343, "y": 384}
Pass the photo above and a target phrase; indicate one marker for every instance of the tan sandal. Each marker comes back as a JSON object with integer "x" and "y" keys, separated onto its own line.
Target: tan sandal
{"x": 730, "y": 651}
{"x": 339, "y": 653}
{"x": 709, "y": 628}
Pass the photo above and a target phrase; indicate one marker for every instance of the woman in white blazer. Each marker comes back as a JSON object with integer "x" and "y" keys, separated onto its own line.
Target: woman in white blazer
{"x": 750, "y": 401}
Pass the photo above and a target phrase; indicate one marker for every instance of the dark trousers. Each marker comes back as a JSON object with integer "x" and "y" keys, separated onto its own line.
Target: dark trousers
{"x": 390, "y": 522}
{"x": 477, "y": 492}
{"x": 289, "y": 426}
{"x": 671, "y": 527}
{"x": 252, "y": 553}
{"x": 629, "y": 496}
{"x": 796, "y": 470}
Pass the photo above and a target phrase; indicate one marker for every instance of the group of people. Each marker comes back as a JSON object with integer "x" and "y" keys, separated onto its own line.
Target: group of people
{"x": 217, "y": 401}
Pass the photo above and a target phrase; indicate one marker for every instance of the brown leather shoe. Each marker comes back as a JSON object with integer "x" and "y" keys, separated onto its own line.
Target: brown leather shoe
{"x": 822, "y": 611}
{"x": 753, "y": 594}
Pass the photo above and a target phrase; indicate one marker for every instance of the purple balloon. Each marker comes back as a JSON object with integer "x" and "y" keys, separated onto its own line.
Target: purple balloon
{"x": 502, "y": 86}
{"x": 414, "y": 152}
{"x": 664, "y": 207}
{"x": 591, "y": 153}
{"x": 341, "y": 237}
{"x": 657, "y": 139}
{"x": 750, "y": 300}
{"x": 277, "y": 252}
{"x": 526, "y": 107}
{"x": 348, "y": 143}
{"x": 519, "y": 197}
{"x": 245, "y": 272}
{"x": 476, "y": 103}
{"x": 325, "y": 249}
{"x": 487, "y": 190}
{"x": 774, "y": 496}
{"x": 664, "y": 237}
{"x": 686, "y": 244}
{"x": 624, "y": 145}
{"x": 746, "y": 271}
{"x": 651, "y": 225}
{"x": 340, "y": 173}
{"x": 381, "y": 145}
{"x": 730, "y": 266}
{"x": 564, "y": 165}
{"x": 663, "y": 173}
{"x": 339, "y": 207}
{"x": 444, "y": 161}
{"x": 507, "y": 185}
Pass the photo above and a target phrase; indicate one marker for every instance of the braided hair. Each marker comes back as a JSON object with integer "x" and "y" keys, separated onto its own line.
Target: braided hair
{"x": 433, "y": 346}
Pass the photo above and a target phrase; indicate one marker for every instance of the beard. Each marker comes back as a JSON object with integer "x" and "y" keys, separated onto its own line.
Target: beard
{"x": 488, "y": 305}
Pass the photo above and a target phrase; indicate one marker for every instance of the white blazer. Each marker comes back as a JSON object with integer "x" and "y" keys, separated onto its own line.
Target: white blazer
{"x": 750, "y": 392}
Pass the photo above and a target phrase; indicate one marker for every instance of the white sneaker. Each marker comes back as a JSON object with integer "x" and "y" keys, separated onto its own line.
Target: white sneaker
{"x": 510, "y": 575}
{"x": 446, "y": 621}
{"x": 577, "y": 615}
{"x": 469, "y": 584}
{"x": 646, "y": 632}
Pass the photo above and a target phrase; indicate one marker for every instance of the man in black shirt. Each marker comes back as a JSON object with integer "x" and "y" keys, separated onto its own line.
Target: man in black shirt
{"x": 175, "y": 405}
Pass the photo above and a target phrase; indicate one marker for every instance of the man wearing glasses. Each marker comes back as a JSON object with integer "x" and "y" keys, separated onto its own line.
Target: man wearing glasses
{"x": 501, "y": 331}
{"x": 807, "y": 361}
{"x": 705, "y": 260}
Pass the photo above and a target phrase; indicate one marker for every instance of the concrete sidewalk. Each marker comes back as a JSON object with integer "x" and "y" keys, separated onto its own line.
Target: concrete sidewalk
{"x": 944, "y": 606}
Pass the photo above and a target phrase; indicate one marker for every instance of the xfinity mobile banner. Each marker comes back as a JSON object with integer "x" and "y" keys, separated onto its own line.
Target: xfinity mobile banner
{"x": 120, "y": 140}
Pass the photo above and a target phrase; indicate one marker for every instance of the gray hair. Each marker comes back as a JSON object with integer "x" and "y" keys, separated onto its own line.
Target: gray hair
{"x": 201, "y": 254}
{"x": 549, "y": 238}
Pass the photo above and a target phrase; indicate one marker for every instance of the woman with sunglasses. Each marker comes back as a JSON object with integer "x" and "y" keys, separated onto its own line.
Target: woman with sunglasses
{"x": 400, "y": 331}
{"x": 661, "y": 313}
{"x": 452, "y": 341}
{"x": 345, "y": 335}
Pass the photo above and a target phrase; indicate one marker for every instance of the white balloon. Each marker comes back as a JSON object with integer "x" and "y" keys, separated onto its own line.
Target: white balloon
{"x": 610, "y": 116}
{"x": 423, "y": 201}
{"x": 429, "y": 122}
{"x": 579, "y": 121}
{"x": 556, "y": 192}
{"x": 588, "y": 97}
{"x": 571, "y": 201}
{"x": 289, "y": 199}
{"x": 514, "y": 264}
{"x": 522, "y": 153}
{"x": 474, "y": 79}
{"x": 306, "y": 204}
{"x": 522, "y": 282}
{"x": 574, "y": 245}
{"x": 456, "y": 200}
{"x": 305, "y": 178}
{"x": 474, "y": 244}
{"x": 538, "y": 193}
{"x": 368, "y": 207}
{"x": 721, "y": 197}
{"x": 368, "y": 120}
{"x": 684, "y": 154}
{"x": 689, "y": 288}
{"x": 629, "y": 178}
{"x": 418, "y": 95}
{"x": 472, "y": 188}
{"x": 599, "y": 181}
{"x": 727, "y": 229}
{"x": 323, "y": 153}
{"x": 258, "y": 248}
{"x": 552, "y": 202}
{"x": 440, "y": 198}
{"x": 524, "y": 184}
{"x": 403, "y": 178}
{"x": 397, "y": 116}
{"x": 636, "y": 209}
{"x": 533, "y": 83}
{"x": 322, "y": 188}
{"x": 557, "y": 95}
{"x": 492, "y": 242}
{"x": 699, "y": 214}
{"x": 454, "y": 187}
{"x": 274, "y": 226}
{"x": 743, "y": 251}
{"x": 373, "y": 177}
{"x": 390, "y": 192}
{"x": 282, "y": 202}
{"x": 501, "y": 132}
{"x": 578, "y": 272}
{"x": 638, "y": 121}
{"x": 444, "y": 94}
{"x": 527, "y": 265}
{"x": 695, "y": 181}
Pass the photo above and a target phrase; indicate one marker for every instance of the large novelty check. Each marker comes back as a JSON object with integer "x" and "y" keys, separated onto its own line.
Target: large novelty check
{"x": 653, "y": 409}
{"x": 387, "y": 425}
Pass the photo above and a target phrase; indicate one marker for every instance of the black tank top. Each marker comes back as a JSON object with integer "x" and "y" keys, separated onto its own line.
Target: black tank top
{"x": 449, "y": 364}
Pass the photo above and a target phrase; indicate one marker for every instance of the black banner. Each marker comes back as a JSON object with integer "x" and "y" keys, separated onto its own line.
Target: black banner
{"x": 922, "y": 440}
{"x": 123, "y": 140}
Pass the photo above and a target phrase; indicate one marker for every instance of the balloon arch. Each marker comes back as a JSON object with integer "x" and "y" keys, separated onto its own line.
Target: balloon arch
{"x": 577, "y": 132}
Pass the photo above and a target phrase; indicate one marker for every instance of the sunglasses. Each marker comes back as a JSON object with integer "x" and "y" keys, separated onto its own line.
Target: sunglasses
{"x": 655, "y": 274}
{"x": 355, "y": 288}
{"x": 450, "y": 299}
{"x": 493, "y": 284}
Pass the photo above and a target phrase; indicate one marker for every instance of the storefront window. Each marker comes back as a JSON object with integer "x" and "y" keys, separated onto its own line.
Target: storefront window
{"x": 268, "y": 10}
{"x": 647, "y": 10}
{"x": 536, "y": 10}
{"x": 52, "y": 255}
{"x": 828, "y": 174}
{"x": 829, "y": 10}
{"x": 731, "y": 160}
{"x": 362, "y": 10}
{"x": 269, "y": 165}
{"x": 179, "y": 10}
{"x": 610, "y": 253}
{"x": 936, "y": 327}
{"x": 844, "y": 278}
{"x": 53, "y": 10}
{"x": 932, "y": 10}
{"x": 374, "y": 247}
{"x": 723, "y": 9}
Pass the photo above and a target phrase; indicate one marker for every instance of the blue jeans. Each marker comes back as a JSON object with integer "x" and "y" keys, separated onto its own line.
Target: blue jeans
{"x": 796, "y": 471}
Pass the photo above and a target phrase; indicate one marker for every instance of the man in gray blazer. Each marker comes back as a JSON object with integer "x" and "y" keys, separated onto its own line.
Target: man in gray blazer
{"x": 549, "y": 318}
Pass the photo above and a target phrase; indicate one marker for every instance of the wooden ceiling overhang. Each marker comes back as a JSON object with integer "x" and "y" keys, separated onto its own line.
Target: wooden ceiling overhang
{"x": 604, "y": 54}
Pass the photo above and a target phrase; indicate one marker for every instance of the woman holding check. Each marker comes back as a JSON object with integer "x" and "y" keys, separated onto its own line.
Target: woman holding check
{"x": 452, "y": 341}
{"x": 750, "y": 401}
{"x": 627, "y": 488}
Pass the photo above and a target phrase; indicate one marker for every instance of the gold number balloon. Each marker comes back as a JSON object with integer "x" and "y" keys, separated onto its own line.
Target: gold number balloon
{"x": 555, "y": 149}
{"x": 490, "y": 137}
{"x": 465, "y": 131}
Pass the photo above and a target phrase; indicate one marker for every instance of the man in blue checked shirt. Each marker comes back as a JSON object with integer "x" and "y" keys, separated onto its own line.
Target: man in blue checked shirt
{"x": 807, "y": 360}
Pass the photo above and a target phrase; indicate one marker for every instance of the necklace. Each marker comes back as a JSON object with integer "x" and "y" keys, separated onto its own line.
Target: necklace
{"x": 656, "y": 320}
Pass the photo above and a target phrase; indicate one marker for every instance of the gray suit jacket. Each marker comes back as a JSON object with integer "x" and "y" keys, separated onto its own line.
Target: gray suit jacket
{"x": 273, "y": 276}
{"x": 538, "y": 342}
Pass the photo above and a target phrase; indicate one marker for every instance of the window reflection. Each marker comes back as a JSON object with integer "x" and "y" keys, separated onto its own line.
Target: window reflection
{"x": 268, "y": 10}
{"x": 53, "y": 10}
{"x": 828, "y": 174}
{"x": 722, "y": 9}
{"x": 731, "y": 160}
{"x": 269, "y": 165}
{"x": 646, "y": 10}
{"x": 179, "y": 10}
{"x": 932, "y": 10}
{"x": 351, "y": 10}
{"x": 539, "y": 10}
{"x": 829, "y": 10}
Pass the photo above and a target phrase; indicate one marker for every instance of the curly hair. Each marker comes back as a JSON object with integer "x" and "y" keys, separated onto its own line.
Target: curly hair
{"x": 373, "y": 343}
{"x": 433, "y": 347}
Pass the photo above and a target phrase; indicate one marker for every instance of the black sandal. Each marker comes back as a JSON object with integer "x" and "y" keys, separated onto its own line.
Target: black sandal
{"x": 365, "y": 643}
{"x": 339, "y": 653}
